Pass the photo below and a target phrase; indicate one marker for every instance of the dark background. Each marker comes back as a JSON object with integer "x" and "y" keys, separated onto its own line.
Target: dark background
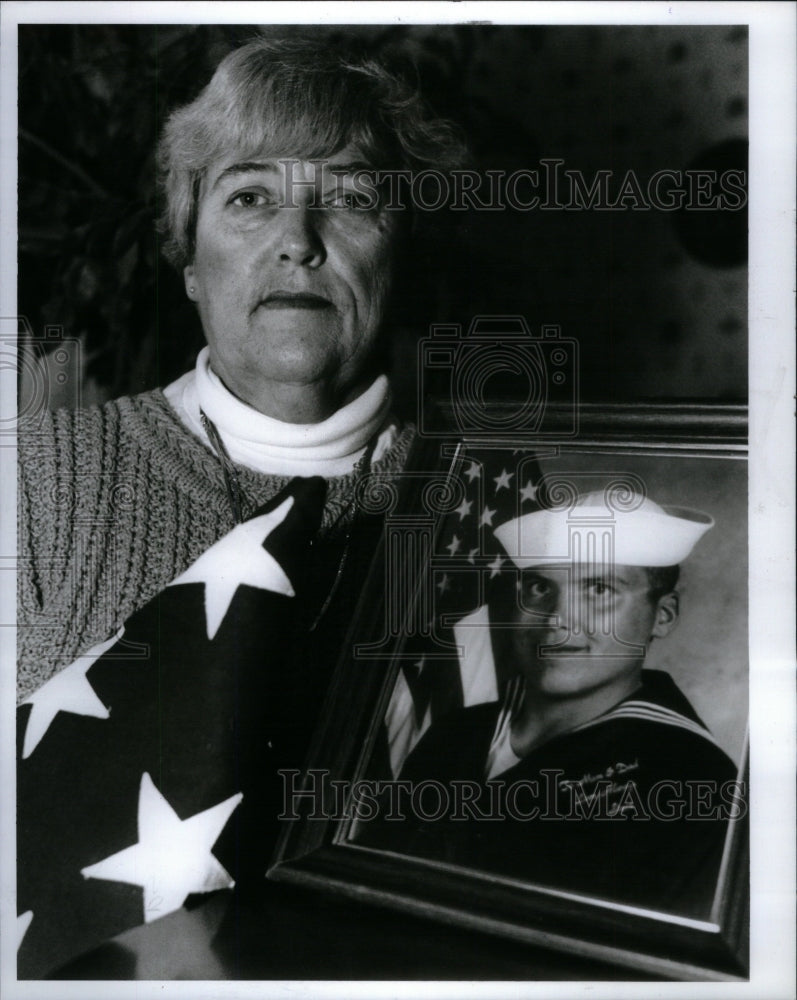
{"x": 656, "y": 300}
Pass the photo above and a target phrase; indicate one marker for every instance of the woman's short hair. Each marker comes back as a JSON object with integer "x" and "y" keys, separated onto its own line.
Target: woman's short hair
{"x": 298, "y": 98}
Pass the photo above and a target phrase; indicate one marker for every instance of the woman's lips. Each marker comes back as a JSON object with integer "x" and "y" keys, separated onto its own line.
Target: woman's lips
{"x": 295, "y": 300}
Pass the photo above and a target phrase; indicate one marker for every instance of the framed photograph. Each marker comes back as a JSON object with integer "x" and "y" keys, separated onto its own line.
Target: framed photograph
{"x": 541, "y": 731}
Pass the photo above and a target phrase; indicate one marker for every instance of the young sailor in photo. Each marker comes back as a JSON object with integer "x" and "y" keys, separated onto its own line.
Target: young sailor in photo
{"x": 595, "y": 775}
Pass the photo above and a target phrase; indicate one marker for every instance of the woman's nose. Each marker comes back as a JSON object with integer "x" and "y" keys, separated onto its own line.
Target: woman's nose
{"x": 298, "y": 240}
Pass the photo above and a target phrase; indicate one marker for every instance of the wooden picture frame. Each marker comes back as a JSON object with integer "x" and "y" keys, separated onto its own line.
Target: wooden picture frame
{"x": 692, "y": 453}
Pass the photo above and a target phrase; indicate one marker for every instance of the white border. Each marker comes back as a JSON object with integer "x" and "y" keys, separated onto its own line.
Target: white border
{"x": 772, "y": 387}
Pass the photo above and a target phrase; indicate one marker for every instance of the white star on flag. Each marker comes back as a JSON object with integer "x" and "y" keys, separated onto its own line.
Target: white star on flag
{"x": 495, "y": 566}
{"x": 502, "y": 481}
{"x": 443, "y": 584}
{"x": 238, "y": 558}
{"x": 487, "y": 516}
{"x": 454, "y": 545}
{"x": 23, "y": 923}
{"x": 67, "y": 691}
{"x": 528, "y": 492}
{"x": 172, "y": 858}
{"x": 472, "y": 556}
{"x": 464, "y": 509}
{"x": 473, "y": 471}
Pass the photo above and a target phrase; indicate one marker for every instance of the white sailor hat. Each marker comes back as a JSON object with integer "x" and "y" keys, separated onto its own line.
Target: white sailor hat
{"x": 642, "y": 533}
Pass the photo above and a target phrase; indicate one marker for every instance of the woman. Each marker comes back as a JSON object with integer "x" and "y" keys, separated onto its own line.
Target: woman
{"x": 292, "y": 271}
{"x": 273, "y": 216}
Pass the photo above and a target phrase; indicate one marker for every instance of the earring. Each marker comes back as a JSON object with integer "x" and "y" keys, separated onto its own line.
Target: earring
{"x": 191, "y": 289}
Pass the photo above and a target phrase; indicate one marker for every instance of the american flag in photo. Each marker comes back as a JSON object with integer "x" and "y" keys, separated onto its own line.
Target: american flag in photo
{"x": 454, "y": 667}
{"x": 142, "y": 780}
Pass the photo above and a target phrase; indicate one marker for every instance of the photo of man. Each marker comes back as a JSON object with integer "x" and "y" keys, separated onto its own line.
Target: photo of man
{"x": 591, "y": 774}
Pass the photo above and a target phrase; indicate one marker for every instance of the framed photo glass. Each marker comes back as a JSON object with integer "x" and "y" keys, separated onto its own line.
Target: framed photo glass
{"x": 540, "y": 731}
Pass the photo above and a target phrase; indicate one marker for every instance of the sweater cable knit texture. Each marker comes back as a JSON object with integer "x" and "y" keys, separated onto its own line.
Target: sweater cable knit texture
{"x": 114, "y": 503}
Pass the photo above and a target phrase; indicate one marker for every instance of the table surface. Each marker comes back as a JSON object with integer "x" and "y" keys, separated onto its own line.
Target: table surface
{"x": 286, "y": 932}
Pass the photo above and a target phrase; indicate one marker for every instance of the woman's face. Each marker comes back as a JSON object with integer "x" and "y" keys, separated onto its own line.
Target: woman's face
{"x": 291, "y": 277}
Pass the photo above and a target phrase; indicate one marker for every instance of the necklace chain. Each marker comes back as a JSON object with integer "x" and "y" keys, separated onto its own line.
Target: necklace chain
{"x": 238, "y": 501}
{"x": 234, "y": 492}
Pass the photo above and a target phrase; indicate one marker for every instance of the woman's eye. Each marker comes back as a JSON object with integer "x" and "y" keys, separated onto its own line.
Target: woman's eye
{"x": 600, "y": 589}
{"x": 536, "y": 590}
{"x": 248, "y": 199}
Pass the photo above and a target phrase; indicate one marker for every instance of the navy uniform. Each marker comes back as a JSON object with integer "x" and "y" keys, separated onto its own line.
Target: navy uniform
{"x": 633, "y": 806}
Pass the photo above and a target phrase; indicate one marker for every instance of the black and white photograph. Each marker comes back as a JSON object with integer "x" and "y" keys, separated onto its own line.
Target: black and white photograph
{"x": 540, "y": 732}
{"x": 398, "y": 497}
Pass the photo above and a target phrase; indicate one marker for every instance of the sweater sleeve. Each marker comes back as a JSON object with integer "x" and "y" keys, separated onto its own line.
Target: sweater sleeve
{"x": 36, "y": 551}
{"x": 59, "y": 524}
{"x": 114, "y": 502}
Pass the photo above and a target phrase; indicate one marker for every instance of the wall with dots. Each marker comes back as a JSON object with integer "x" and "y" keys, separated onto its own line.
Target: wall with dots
{"x": 657, "y": 299}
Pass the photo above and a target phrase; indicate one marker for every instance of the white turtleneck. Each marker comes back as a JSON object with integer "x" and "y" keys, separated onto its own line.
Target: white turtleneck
{"x": 329, "y": 448}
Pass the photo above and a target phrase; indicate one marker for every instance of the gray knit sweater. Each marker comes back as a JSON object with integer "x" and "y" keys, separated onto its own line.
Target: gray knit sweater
{"x": 114, "y": 503}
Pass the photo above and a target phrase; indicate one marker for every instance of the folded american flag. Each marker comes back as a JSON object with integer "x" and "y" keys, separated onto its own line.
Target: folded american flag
{"x": 147, "y": 768}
